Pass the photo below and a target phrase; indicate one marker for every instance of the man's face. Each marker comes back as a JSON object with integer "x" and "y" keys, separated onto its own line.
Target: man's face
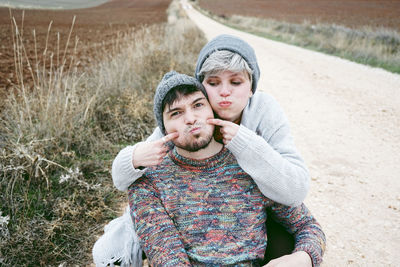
{"x": 188, "y": 116}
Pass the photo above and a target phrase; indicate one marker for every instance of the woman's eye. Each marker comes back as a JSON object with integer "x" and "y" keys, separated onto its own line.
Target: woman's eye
{"x": 236, "y": 82}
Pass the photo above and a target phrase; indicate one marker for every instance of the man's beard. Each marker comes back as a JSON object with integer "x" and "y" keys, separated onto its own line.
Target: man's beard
{"x": 196, "y": 145}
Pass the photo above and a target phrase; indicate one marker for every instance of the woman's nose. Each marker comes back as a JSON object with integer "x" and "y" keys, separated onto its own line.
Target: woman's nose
{"x": 225, "y": 90}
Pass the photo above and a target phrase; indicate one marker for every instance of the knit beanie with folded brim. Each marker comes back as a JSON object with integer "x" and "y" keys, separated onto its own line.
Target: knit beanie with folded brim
{"x": 233, "y": 44}
{"x": 170, "y": 81}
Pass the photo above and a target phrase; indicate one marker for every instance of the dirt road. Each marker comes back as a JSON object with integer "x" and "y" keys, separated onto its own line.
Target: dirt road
{"x": 345, "y": 119}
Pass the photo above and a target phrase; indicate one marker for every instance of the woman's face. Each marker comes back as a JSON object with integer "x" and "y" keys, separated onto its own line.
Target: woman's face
{"x": 228, "y": 93}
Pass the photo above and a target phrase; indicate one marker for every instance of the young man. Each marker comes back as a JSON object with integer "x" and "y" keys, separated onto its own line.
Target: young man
{"x": 198, "y": 207}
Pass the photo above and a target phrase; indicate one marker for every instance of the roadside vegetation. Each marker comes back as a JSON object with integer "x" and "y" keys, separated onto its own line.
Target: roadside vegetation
{"x": 62, "y": 126}
{"x": 377, "y": 47}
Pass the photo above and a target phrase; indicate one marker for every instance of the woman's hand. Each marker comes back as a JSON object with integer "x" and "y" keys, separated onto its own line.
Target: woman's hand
{"x": 298, "y": 259}
{"x": 228, "y": 129}
{"x": 149, "y": 154}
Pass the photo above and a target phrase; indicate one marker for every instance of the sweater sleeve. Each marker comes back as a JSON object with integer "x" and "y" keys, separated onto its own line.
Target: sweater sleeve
{"x": 123, "y": 172}
{"x": 265, "y": 149}
{"x": 308, "y": 233}
{"x": 157, "y": 233}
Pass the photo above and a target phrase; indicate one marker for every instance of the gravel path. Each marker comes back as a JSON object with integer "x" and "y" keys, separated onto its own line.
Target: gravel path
{"x": 345, "y": 118}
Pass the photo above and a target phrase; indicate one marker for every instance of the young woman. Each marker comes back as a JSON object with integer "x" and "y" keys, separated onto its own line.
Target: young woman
{"x": 250, "y": 123}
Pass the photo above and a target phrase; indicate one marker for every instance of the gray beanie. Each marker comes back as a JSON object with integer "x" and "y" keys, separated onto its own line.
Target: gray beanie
{"x": 171, "y": 80}
{"x": 233, "y": 44}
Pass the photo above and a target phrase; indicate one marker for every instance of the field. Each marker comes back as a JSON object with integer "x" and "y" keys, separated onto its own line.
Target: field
{"x": 94, "y": 27}
{"x": 367, "y": 32}
{"x": 351, "y": 13}
{"x": 55, "y": 4}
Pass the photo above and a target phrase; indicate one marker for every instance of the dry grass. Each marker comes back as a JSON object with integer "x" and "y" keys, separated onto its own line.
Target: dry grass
{"x": 374, "y": 46}
{"x": 60, "y": 132}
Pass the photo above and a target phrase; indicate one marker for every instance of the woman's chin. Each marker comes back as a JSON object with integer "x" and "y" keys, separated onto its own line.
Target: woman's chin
{"x": 227, "y": 117}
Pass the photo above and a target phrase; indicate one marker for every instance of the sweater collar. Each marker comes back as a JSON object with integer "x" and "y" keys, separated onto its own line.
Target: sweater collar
{"x": 208, "y": 163}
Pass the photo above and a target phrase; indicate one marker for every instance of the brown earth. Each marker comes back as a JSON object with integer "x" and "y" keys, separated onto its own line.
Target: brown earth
{"x": 94, "y": 27}
{"x": 351, "y": 13}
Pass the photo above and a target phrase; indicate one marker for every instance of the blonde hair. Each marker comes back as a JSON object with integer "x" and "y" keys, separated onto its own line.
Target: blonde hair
{"x": 224, "y": 60}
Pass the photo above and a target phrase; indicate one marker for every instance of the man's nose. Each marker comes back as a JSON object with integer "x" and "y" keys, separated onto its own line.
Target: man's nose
{"x": 190, "y": 117}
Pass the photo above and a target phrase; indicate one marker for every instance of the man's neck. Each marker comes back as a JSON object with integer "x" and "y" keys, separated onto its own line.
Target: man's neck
{"x": 213, "y": 148}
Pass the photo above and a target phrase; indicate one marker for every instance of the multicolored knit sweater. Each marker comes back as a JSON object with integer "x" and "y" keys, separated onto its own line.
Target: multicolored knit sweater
{"x": 210, "y": 212}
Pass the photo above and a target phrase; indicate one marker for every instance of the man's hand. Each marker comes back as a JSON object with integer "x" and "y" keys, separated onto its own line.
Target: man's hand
{"x": 228, "y": 129}
{"x": 149, "y": 154}
{"x": 297, "y": 259}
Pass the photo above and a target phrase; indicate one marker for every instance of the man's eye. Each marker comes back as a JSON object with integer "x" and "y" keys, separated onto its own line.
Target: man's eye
{"x": 197, "y": 105}
{"x": 175, "y": 113}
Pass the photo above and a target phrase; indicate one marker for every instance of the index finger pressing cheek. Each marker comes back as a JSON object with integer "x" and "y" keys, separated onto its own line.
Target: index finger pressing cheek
{"x": 170, "y": 137}
{"x": 217, "y": 122}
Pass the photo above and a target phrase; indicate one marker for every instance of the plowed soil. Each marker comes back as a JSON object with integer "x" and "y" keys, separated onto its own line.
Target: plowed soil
{"x": 93, "y": 27}
{"x": 351, "y": 13}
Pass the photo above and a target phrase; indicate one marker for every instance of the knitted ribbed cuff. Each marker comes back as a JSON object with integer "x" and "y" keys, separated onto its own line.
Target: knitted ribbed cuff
{"x": 240, "y": 140}
{"x": 123, "y": 172}
{"x": 316, "y": 257}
